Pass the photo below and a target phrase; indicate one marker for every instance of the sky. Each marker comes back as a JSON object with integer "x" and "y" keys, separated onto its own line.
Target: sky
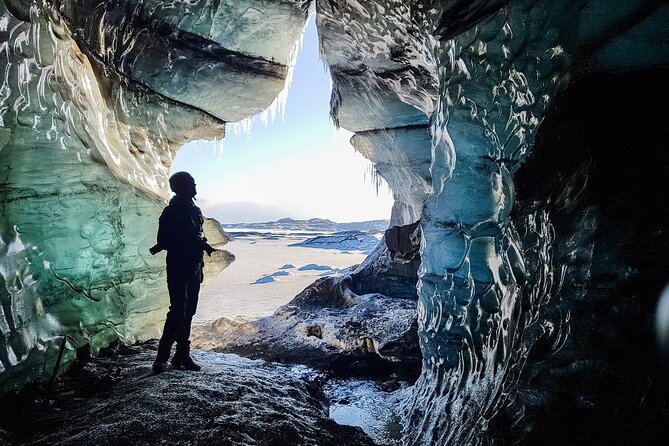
{"x": 300, "y": 166}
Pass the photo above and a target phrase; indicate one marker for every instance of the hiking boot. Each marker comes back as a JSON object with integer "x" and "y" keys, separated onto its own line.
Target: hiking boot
{"x": 182, "y": 359}
{"x": 159, "y": 367}
{"x": 185, "y": 362}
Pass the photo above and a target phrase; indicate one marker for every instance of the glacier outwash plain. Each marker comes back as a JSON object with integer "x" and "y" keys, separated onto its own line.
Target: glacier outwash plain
{"x": 527, "y": 138}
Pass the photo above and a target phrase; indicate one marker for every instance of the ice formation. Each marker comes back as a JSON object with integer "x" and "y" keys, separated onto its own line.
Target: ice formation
{"x": 445, "y": 97}
{"x": 448, "y": 116}
{"x": 95, "y": 100}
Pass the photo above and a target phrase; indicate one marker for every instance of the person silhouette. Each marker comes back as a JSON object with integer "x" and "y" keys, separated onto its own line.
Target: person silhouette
{"x": 180, "y": 233}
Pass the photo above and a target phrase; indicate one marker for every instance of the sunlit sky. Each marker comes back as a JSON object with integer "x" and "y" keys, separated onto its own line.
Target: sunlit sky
{"x": 299, "y": 166}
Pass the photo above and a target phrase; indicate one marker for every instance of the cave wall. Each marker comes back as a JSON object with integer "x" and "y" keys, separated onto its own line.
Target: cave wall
{"x": 489, "y": 285}
{"x": 96, "y": 99}
{"x": 445, "y": 97}
{"x": 598, "y": 169}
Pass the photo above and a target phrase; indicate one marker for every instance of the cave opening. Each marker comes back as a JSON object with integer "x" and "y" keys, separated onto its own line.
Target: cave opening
{"x": 296, "y": 199}
{"x": 304, "y": 209}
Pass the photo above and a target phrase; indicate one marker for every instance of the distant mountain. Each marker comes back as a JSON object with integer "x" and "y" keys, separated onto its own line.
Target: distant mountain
{"x": 313, "y": 224}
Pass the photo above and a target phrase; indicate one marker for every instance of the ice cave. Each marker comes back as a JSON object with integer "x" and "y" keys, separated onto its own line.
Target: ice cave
{"x": 525, "y": 145}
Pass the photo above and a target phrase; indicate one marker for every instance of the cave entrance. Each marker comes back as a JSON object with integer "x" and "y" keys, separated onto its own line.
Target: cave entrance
{"x": 292, "y": 167}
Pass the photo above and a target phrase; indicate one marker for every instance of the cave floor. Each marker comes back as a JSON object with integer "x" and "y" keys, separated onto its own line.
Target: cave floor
{"x": 116, "y": 400}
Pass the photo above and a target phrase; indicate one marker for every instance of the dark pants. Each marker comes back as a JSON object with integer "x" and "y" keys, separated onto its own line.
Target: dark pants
{"x": 183, "y": 303}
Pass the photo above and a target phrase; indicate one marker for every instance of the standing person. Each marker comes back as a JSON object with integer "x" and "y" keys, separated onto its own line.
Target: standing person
{"x": 180, "y": 233}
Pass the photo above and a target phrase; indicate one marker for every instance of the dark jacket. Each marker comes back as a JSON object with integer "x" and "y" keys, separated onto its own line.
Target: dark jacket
{"x": 180, "y": 233}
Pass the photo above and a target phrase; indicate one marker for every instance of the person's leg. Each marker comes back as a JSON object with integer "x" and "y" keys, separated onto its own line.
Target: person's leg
{"x": 177, "y": 288}
{"x": 192, "y": 291}
{"x": 182, "y": 355}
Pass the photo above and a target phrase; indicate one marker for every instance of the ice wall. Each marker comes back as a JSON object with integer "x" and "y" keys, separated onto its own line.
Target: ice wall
{"x": 482, "y": 284}
{"x": 96, "y": 98}
{"x": 466, "y": 86}
{"x": 384, "y": 89}
{"x": 446, "y": 97}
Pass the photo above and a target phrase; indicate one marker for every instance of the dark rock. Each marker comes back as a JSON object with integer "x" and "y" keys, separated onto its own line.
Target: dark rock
{"x": 402, "y": 241}
{"x": 392, "y": 271}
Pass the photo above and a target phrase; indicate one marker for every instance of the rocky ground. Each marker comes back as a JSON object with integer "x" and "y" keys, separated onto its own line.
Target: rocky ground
{"x": 328, "y": 327}
{"x": 116, "y": 400}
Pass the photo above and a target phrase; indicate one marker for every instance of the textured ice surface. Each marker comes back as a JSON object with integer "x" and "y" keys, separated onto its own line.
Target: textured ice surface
{"x": 368, "y": 405}
{"x": 482, "y": 74}
{"x": 205, "y": 54}
{"x": 445, "y": 96}
{"x": 75, "y": 238}
{"x": 96, "y": 97}
{"x": 402, "y": 156}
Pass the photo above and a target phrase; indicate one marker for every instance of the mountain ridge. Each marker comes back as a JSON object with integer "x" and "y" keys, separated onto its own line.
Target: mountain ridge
{"x": 313, "y": 224}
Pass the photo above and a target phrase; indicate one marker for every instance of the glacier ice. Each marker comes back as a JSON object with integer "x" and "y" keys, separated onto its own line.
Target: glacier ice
{"x": 492, "y": 69}
{"x": 86, "y": 149}
{"x": 446, "y": 97}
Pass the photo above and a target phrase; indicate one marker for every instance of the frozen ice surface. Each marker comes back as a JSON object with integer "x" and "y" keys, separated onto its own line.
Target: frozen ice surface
{"x": 232, "y": 294}
{"x": 367, "y": 405}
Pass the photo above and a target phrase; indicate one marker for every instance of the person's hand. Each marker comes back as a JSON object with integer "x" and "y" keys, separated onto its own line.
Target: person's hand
{"x": 208, "y": 248}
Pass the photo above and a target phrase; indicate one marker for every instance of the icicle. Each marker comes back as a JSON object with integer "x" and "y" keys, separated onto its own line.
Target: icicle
{"x": 268, "y": 115}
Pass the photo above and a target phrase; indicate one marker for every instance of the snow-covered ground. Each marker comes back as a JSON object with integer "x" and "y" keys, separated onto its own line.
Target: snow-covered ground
{"x": 260, "y": 279}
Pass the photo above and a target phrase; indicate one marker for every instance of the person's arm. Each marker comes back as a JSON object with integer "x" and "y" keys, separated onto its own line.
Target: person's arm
{"x": 207, "y": 247}
{"x": 204, "y": 246}
{"x": 166, "y": 233}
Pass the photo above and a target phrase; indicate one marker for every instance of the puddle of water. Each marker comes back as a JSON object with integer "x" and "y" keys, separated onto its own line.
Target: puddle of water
{"x": 369, "y": 405}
